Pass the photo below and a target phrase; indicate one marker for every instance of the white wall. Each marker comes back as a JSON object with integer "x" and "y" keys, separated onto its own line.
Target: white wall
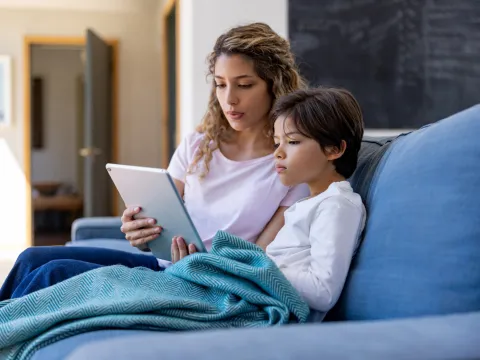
{"x": 201, "y": 22}
{"x": 59, "y": 70}
{"x": 125, "y": 6}
{"x": 138, "y": 100}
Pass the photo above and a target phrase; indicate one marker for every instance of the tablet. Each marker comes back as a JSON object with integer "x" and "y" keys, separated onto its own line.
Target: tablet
{"x": 154, "y": 191}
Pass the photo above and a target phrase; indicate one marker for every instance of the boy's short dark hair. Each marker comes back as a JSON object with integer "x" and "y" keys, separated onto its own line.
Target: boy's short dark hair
{"x": 327, "y": 115}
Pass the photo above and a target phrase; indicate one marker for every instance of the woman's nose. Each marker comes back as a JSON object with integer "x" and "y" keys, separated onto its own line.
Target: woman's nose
{"x": 232, "y": 98}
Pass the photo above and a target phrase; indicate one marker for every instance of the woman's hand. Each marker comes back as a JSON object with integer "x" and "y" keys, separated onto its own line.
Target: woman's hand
{"x": 180, "y": 249}
{"x": 141, "y": 231}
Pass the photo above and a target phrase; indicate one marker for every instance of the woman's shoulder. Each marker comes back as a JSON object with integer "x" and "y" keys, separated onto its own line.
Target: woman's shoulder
{"x": 193, "y": 138}
{"x": 191, "y": 142}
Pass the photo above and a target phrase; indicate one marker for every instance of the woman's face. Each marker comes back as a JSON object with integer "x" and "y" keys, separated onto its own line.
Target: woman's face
{"x": 242, "y": 94}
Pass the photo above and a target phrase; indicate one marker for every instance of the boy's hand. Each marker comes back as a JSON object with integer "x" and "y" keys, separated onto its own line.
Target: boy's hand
{"x": 180, "y": 249}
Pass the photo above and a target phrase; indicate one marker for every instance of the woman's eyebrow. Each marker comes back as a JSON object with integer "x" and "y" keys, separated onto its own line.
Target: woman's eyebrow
{"x": 236, "y": 77}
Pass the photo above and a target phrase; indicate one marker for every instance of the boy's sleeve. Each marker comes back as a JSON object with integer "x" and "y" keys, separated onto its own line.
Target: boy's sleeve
{"x": 294, "y": 194}
{"x": 334, "y": 236}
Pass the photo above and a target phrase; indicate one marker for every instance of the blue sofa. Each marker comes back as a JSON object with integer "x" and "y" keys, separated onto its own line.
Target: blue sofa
{"x": 413, "y": 290}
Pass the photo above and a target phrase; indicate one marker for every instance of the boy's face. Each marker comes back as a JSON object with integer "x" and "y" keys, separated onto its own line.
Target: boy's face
{"x": 299, "y": 159}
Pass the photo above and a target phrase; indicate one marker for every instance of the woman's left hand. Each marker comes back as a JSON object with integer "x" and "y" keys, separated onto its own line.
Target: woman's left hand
{"x": 180, "y": 249}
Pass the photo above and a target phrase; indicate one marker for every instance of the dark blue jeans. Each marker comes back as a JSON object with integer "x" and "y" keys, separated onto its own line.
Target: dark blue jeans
{"x": 39, "y": 267}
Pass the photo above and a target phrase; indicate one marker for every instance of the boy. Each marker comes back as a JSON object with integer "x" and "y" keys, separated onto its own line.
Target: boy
{"x": 318, "y": 133}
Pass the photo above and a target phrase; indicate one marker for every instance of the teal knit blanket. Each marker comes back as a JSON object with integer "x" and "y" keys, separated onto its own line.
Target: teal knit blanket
{"x": 234, "y": 285}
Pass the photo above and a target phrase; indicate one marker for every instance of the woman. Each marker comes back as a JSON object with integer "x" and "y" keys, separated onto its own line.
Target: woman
{"x": 225, "y": 170}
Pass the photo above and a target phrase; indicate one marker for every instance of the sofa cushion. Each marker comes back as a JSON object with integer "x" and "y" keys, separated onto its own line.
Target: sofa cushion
{"x": 421, "y": 249}
{"x": 369, "y": 156}
{"x": 120, "y": 244}
{"x": 445, "y": 337}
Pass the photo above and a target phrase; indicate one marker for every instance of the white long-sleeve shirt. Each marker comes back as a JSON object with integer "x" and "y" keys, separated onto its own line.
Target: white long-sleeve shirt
{"x": 315, "y": 247}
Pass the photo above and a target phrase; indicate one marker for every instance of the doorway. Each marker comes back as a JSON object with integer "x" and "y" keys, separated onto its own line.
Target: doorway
{"x": 59, "y": 113}
{"x": 57, "y": 83}
{"x": 170, "y": 80}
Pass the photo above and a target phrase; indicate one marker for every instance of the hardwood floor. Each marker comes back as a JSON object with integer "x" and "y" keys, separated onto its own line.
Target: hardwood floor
{"x": 5, "y": 266}
{"x": 41, "y": 239}
{"x": 51, "y": 238}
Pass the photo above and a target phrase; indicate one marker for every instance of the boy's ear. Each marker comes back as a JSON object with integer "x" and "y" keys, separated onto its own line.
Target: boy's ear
{"x": 334, "y": 153}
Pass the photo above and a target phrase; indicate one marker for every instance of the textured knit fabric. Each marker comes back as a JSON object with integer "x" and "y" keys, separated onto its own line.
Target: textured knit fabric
{"x": 235, "y": 285}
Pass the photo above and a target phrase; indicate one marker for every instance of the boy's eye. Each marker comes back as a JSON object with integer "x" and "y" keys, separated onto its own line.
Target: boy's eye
{"x": 276, "y": 145}
{"x": 294, "y": 142}
{"x": 219, "y": 85}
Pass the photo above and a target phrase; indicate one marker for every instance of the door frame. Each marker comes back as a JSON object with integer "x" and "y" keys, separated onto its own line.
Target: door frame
{"x": 166, "y": 11}
{"x": 28, "y": 42}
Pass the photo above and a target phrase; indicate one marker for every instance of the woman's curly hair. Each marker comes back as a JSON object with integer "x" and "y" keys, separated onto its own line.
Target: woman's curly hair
{"x": 273, "y": 62}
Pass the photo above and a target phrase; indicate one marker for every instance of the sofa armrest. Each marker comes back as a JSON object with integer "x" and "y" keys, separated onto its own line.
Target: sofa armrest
{"x": 97, "y": 227}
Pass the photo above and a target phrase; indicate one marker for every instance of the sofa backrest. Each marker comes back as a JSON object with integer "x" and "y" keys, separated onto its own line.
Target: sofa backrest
{"x": 420, "y": 253}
